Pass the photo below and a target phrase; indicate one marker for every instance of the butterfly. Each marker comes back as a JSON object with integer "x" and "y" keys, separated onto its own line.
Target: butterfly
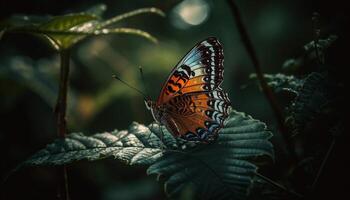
{"x": 191, "y": 104}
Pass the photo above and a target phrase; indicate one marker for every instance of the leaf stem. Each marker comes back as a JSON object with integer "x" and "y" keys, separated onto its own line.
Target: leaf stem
{"x": 131, "y": 14}
{"x": 277, "y": 185}
{"x": 60, "y": 113}
{"x": 265, "y": 88}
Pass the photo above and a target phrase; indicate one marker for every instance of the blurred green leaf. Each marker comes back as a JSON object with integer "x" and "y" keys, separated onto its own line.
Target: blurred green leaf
{"x": 216, "y": 170}
{"x": 281, "y": 82}
{"x": 315, "y": 96}
{"x": 63, "y": 32}
{"x": 70, "y": 23}
{"x": 313, "y": 51}
{"x": 30, "y": 74}
{"x": 321, "y": 44}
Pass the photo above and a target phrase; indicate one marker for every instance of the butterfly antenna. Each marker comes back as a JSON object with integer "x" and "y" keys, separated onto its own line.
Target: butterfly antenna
{"x": 130, "y": 86}
{"x": 144, "y": 82}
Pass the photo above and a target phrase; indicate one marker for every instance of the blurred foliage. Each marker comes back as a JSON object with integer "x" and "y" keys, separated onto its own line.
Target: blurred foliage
{"x": 281, "y": 32}
{"x": 62, "y": 32}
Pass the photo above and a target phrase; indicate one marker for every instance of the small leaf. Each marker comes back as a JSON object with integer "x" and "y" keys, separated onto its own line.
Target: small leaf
{"x": 322, "y": 44}
{"x": 312, "y": 58}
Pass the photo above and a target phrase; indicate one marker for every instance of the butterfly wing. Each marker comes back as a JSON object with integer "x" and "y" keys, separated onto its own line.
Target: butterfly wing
{"x": 200, "y": 70}
{"x": 197, "y": 116}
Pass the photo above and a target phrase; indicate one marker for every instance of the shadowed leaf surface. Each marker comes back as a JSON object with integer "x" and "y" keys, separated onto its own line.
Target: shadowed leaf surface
{"x": 316, "y": 96}
{"x": 218, "y": 170}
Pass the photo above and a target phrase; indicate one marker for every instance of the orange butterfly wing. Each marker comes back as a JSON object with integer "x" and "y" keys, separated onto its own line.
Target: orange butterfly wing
{"x": 200, "y": 70}
{"x": 195, "y": 105}
{"x": 198, "y": 116}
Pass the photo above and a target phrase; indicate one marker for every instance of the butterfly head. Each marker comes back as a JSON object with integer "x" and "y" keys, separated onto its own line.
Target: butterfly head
{"x": 155, "y": 110}
{"x": 150, "y": 104}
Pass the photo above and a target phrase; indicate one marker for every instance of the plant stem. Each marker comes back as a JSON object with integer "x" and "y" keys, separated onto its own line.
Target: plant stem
{"x": 61, "y": 106}
{"x": 323, "y": 164}
{"x": 60, "y": 112}
{"x": 265, "y": 88}
{"x": 277, "y": 185}
{"x": 317, "y": 31}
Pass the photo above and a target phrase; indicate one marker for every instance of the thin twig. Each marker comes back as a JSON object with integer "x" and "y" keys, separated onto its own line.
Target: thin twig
{"x": 60, "y": 112}
{"x": 317, "y": 32}
{"x": 265, "y": 88}
{"x": 277, "y": 185}
{"x": 323, "y": 164}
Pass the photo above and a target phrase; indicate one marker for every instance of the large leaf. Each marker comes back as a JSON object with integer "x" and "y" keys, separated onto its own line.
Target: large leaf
{"x": 220, "y": 169}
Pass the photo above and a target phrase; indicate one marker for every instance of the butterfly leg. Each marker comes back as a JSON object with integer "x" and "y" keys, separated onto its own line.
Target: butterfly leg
{"x": 161, "y": 137}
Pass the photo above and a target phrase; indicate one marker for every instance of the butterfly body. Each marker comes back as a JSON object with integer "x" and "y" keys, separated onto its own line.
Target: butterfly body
{"x": 192, "y": 104}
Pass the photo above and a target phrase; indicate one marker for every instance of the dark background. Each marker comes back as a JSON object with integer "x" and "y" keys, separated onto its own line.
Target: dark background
{"x": 278, "y": 30}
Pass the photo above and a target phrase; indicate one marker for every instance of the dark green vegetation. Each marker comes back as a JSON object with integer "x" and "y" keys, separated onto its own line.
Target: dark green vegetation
{"x": 57, "y": 92}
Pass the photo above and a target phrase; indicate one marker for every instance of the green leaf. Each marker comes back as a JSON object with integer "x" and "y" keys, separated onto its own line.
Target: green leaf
{"x": 317, "y": 95}
{"x": 313, "y": 51}
{"x": 62, "y": 32}
{"x": 131, "y": 147}
{"x": 71, "y": 22}
{"x": 321, "y": 45}
{"x": 219, "y": 170}
{"x": 216, "y": 170}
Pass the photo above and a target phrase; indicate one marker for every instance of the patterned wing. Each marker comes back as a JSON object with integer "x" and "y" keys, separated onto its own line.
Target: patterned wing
{"x": 197, "y": 116}
{"x": 200, "y": 70}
